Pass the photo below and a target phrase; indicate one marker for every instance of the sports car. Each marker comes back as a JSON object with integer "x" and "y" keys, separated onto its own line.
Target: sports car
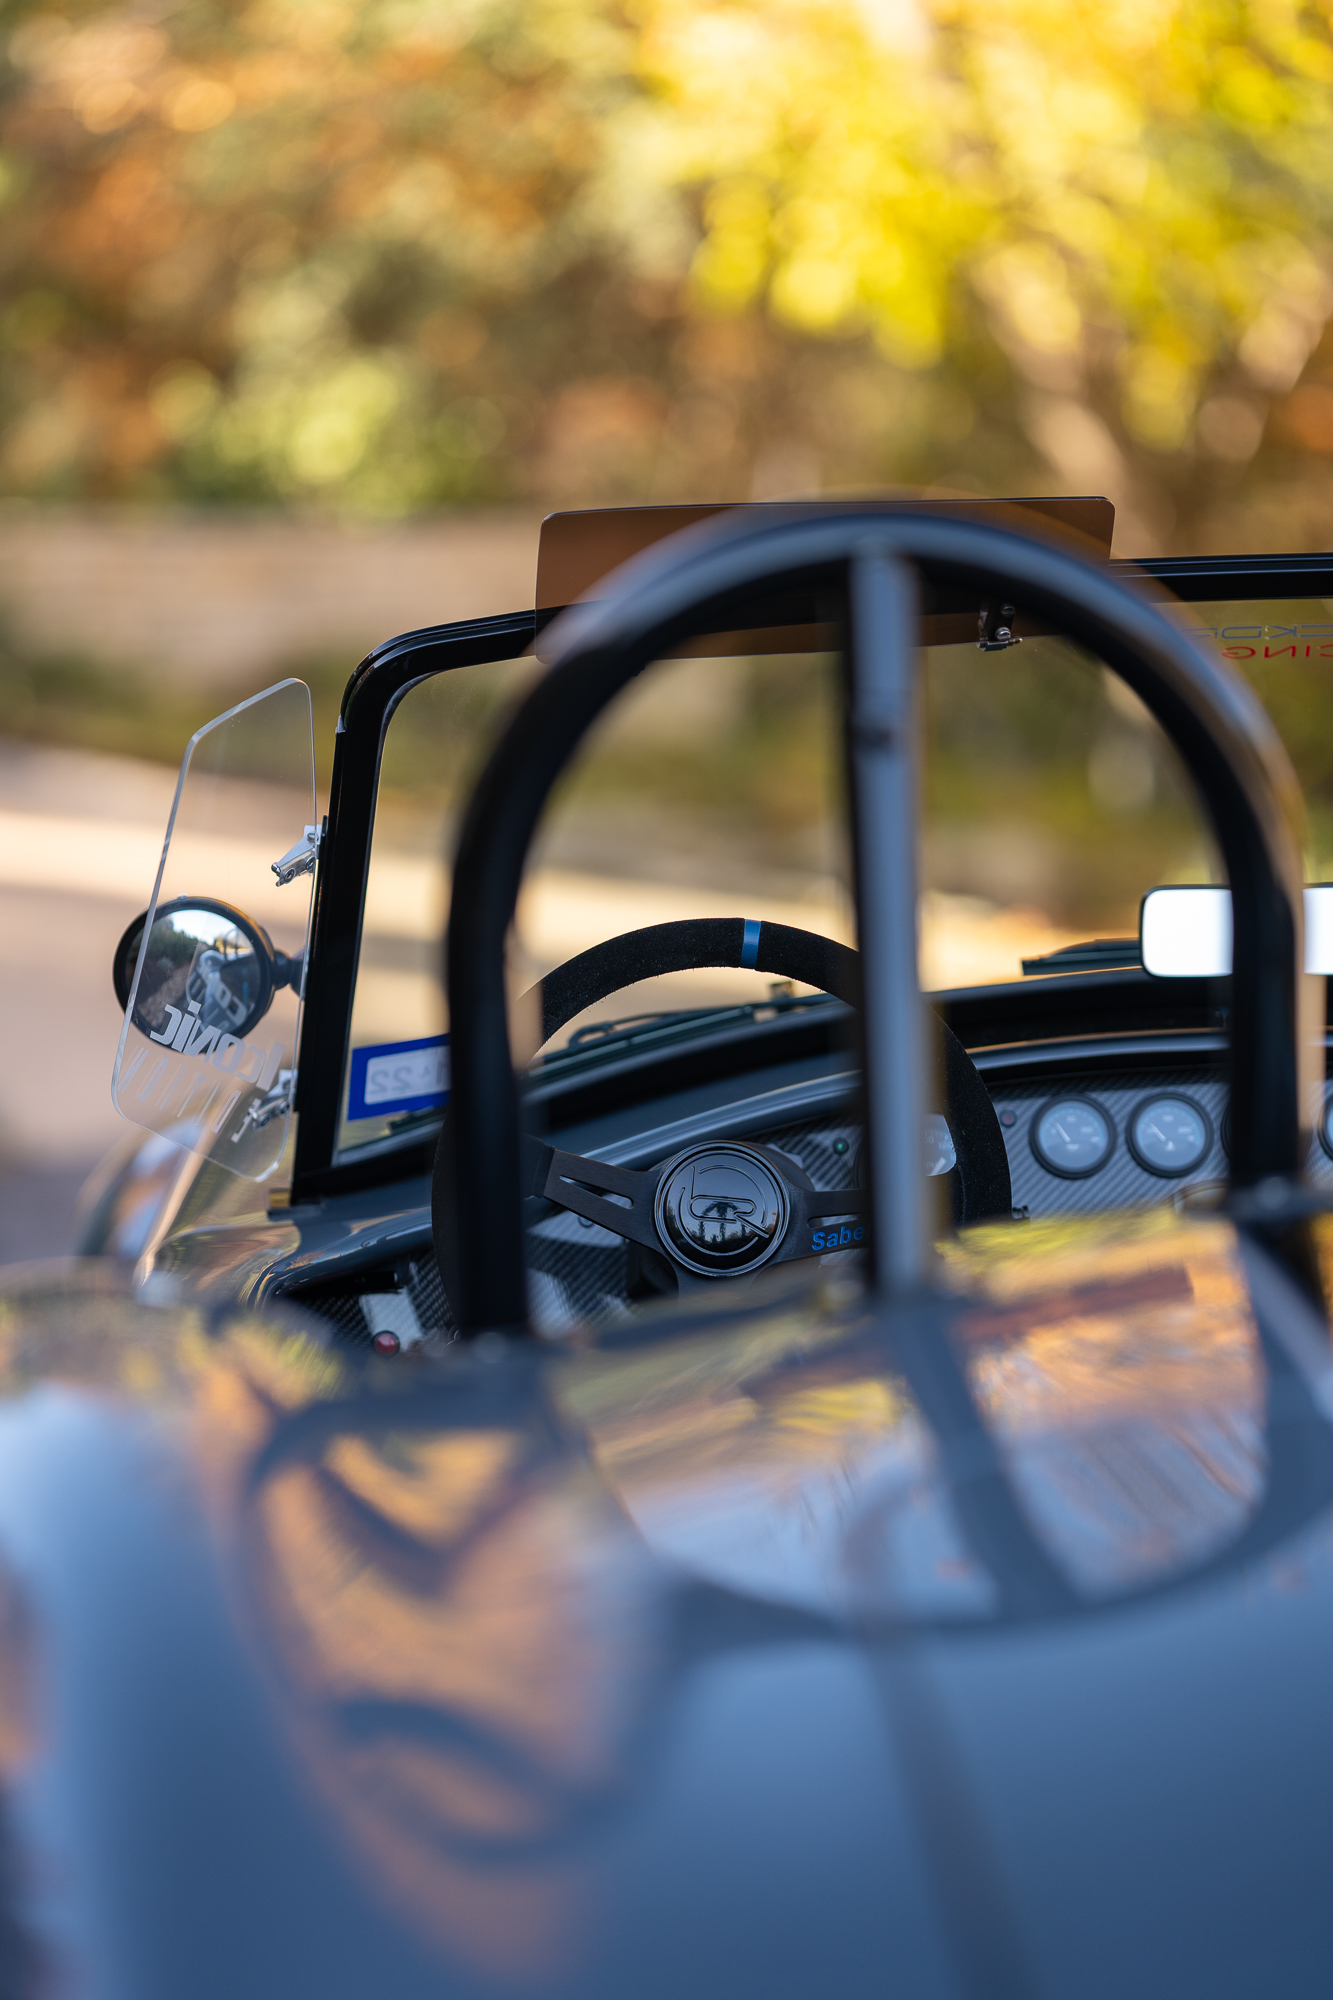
{"x": 823, "y": 1486}
{"x": 712, "y": 806}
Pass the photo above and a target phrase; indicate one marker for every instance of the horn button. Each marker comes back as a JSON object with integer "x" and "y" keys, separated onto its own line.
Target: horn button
{"x": 721, "y": 1210}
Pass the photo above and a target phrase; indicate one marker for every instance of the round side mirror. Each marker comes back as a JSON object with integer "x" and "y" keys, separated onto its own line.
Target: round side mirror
{"x": 206, "y": 962}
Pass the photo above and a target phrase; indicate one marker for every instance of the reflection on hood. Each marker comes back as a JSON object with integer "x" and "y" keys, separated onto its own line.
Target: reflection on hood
{"x": 1118, "y": 1369}
{"x": 490, "y": 1594}
{"x": 465, "y": 1628}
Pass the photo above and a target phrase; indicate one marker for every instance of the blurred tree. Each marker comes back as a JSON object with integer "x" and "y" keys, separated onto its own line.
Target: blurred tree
{"x": 393, "y": 254}
{"x": 295, "y": 251}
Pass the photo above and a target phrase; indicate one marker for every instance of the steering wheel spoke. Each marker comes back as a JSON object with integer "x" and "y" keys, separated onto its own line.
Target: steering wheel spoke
{"x": 811, "y": 1233}
{"x": 727, "y": 1208}
{"x": 615, "y": 1197}
{"x": 715, "y": 1210}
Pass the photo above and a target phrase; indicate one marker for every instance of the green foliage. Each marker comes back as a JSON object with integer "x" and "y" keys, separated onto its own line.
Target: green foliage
{"x": 383, "y": 256}
{"x": 75, "y": 701}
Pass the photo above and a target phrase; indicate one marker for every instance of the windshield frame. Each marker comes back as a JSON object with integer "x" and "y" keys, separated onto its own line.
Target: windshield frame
{"x": 372, "y": 694}
{"x": 369, "y": 700}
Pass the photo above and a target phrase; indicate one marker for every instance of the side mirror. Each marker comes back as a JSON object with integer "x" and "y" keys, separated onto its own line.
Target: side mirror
{"x": 1186, "y": 933}
{"x": 209, "y": 971}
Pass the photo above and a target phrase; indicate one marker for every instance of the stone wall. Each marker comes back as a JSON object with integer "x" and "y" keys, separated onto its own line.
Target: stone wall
{"x": 218, "y": 598}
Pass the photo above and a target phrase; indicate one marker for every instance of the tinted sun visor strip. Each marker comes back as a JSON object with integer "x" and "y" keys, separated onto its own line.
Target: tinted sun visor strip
{"x": 578, "y": 549}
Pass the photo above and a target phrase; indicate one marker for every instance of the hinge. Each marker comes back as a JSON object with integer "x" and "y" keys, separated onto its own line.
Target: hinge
{"x": 995, "y": 629}
{"x": 299, "y": 860}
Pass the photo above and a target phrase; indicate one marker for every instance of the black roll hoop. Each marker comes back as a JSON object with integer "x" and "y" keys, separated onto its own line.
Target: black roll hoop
{"x": 699, "y": 581}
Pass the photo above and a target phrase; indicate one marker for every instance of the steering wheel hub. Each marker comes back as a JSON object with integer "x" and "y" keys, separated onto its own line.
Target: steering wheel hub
{"x": 721, "y": 1210}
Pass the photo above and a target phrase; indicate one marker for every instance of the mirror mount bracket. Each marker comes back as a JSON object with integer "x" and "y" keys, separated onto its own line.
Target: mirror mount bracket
{"x": 995, "y": 629}
{"x": 300, "y": 859}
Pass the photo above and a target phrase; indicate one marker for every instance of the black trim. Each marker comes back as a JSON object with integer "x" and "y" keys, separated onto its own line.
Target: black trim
{"x": 1210, "y": 579}
{"x": 373, "y": 692}
{"x": 1083, "y": 1003}
{"x": 1109, "y": 1055}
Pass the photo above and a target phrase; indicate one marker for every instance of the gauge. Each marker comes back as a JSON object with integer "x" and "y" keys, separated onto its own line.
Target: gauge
{"x": 1073, "y": 1137}
{"x": 1170, "y": 1135}
{"x": 939, "y": 1154}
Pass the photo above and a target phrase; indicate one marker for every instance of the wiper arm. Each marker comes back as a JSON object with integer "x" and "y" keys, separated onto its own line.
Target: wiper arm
{"x": 632, "y": 1024}
{"x": 631, "y": 1030}
{"x": 1097, "y": 955}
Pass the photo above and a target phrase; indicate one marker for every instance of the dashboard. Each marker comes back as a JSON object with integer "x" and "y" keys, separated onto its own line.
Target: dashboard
{"x": 1123, "y": 1122}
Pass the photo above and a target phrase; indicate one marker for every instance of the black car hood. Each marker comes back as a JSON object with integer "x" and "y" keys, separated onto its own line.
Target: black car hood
{"x": 683, "y": 1661}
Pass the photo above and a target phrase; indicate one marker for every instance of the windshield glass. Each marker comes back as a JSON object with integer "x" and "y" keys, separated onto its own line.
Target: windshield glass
{"x": 212, "y": 977}
{"x": 1285, "y": 651}
{"x": 1051, "y": 804}
{"x": 1053, "y": 801}
{"x": 710, "y": 789}
{"x": 433, "y": 749}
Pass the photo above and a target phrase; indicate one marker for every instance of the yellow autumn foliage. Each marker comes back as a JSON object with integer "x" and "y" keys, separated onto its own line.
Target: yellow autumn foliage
{"x": 384, "y": 255}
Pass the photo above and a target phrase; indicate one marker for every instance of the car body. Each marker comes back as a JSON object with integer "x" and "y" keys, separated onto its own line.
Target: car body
{"x": 944, "y": 1611}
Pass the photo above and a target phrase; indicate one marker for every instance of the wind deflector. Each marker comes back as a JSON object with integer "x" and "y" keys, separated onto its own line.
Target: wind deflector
{"x": 213, "y": 973}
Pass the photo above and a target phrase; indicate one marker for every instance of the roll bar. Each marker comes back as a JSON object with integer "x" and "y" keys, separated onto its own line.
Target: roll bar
{"x": 701, "y": 580}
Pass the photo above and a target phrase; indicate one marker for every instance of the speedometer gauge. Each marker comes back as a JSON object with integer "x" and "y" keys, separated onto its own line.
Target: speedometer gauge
{"x": 1072, "y": 1137}
{"x": 1169, "y": 1135}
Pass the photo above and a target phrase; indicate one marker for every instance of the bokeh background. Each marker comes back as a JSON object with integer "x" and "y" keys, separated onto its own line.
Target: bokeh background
{"x": 310, "y": 309}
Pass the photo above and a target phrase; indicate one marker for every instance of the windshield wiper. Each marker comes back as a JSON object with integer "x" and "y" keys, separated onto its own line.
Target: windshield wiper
{"x": 645, "y": 1030}
{"x": 627, "y": 1024}
{"x": 1098, "y": 955}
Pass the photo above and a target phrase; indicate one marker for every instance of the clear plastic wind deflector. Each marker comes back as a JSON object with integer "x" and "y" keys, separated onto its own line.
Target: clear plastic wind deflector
{"x": 213, "y": 976}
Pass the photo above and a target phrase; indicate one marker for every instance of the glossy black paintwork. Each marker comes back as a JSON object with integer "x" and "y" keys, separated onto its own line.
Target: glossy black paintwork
{"x": 372, "y": 694}
{"x": 979, "y": 1650}
{"x": 634, "y": 1668}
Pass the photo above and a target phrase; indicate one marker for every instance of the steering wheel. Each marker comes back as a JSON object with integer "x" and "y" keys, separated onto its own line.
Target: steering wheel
{"x": 725, "y": 1208}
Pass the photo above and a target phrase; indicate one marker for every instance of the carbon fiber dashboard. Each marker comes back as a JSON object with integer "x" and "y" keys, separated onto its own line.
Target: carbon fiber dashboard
{"x": 580, "y": 1273}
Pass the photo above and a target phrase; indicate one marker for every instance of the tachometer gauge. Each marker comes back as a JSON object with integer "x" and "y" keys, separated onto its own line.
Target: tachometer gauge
{"x": 1169, "y": 1135}
{"x": 1072, "y": 1137}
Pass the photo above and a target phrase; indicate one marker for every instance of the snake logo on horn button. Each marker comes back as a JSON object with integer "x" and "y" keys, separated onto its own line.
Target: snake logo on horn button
{"x": 721, "y": 1210}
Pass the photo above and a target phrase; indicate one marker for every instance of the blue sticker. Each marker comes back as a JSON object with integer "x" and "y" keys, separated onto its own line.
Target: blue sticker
{"x": 399, "y": 1076}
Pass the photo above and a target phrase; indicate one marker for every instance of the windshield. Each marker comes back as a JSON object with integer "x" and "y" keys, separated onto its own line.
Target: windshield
{"x": 705, "y": 792}
{"x": 1051, "y": 804}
